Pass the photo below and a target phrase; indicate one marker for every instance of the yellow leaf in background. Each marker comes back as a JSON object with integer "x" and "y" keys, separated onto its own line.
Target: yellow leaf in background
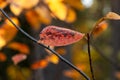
{"x": 71, "y": 15}
{"x": 2, "y": 41}
{"x": 2, "y": 57}
{"x": 15, "y": 9}
{"x": 53, "y": 58}
{"x": 75, "y": 4}
{"x": 23, "y": 48}
{"x": 53, "y": 1}
{"x": 3, "y": 3}
{"x": 14, "y": 73}
{"x": 58, "y": 8}
{"x": 25, "y": 4}
{"x": 14, "y": 19}
{"x": 7, "y": 32}
{"x": 10, "y": 30}
{"x": 33, "y": 19}
{"x": 40, "y": 64}
{"x": 112, "y": 16}
{"x": 100, "y": 28}
{"x": 44, "y": 15}
{"x": 26, "y": 72}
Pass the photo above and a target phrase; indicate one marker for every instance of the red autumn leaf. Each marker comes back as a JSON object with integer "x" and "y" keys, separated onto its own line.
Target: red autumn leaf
{"x": 18, "y": 58}
{"x": 56, "y": 36}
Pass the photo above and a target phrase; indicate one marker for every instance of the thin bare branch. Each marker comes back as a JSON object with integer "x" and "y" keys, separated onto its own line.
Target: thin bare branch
{"x": 90, "y": 58}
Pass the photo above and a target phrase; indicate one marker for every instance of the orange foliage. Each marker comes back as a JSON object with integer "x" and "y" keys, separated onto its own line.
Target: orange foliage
{"x": 53, "y": 58}
{"x": 23, "y": 48}
{"x": 2, "y": 57}
{"x": 102, "y": 25}
{"x": 81, "y": 66}
{"x": 2, "y": 42}
{"x": 37, "y": 16}
{"x": 3, "y": 3}
{"x": 14, "y": 19}
{"x": 22, "y": 3}
{"x": 15, "y": 9}
{"x": 100, "y": 28}
{"x": 71, "y": 15}
{"x": 7, "y": 31}
{"x": 61, "y": 51}
{"x": 17, "y": 6}
{"x": 44, "y": 62}
{"x": 58, "y": 8}
{"x": 33, "y": 19}
{"x": 40, "y": 64}
{"x": 73, "y": 74}
{"x": 61, "y": 11}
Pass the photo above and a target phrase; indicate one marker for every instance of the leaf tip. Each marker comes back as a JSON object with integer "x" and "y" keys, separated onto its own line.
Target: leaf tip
{"x": 112, "y": 16}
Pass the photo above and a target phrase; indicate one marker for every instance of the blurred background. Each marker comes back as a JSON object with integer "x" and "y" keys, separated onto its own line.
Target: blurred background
{"x": 22, "y": 59}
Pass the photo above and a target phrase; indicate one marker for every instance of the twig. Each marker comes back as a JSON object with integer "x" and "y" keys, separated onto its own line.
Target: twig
{"x": 96, "y": 25}
{"x": 36, "y": 41}
{"x": 90, "y": 58}
{"x": 98, "y": 49}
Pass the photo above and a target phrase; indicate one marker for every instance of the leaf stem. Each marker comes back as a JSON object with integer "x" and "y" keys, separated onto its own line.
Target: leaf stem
{"x": 90, "y": 58}
{"x": 54, "y": 52}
